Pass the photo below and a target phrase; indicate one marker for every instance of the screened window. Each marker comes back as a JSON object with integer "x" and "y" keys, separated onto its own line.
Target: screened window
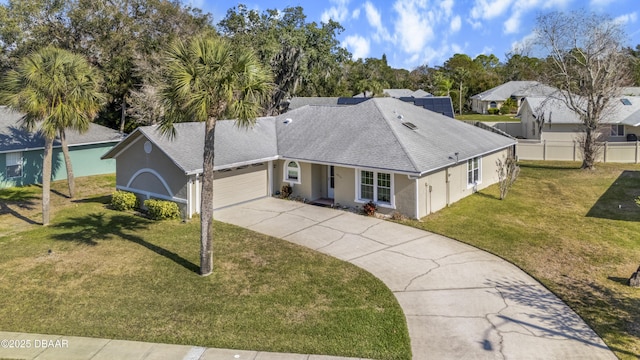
{"x": 617, "y": 130}
{"x": 366, "y": 185}
{"x": 375, "y": 186}
{"x": 473, "y": 171}
{"x": 292, "y": 172}
{"x": 14, "y": 165}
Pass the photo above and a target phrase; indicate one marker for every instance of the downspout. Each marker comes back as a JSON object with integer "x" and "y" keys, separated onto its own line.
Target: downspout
{"x": 417, "y": 200}
{"x": 198, "y": 191}
{"x": 270, "y": 178}
{"x": 446, "y": 174}
{"x": 189, "y": 200}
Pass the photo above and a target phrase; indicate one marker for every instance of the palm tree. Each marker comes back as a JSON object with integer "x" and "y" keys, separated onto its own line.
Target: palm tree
{"x": 57, "y": 90}
{"x": 208, "y": 79}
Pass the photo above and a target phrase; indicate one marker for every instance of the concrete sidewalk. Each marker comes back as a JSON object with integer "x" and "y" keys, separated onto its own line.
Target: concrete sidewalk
{"x": 460, "y": 302}
{"x": 53, "y": 347}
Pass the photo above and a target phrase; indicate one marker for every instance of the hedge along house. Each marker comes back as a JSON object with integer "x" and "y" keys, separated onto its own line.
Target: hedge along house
{"x": 21, "y": 152}
{"x": 400, "y": 156}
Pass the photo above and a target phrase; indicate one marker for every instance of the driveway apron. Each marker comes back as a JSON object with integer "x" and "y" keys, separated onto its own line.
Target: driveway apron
{"x": 460, "y": 302}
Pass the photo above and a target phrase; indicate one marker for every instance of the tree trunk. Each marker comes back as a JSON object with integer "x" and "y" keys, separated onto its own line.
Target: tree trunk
{"x": 46, "y": 179}
{"x": 67, "y": 162}
{"x": 460, "y": 99}
{"x": 206, "y": 204}
{"x": 123, "y": 114}
{"x": 589, "y": 150}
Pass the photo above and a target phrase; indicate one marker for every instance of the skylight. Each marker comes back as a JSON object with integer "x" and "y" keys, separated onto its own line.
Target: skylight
{"x": 411, "y": 126}
{"x": 625, "y": 101}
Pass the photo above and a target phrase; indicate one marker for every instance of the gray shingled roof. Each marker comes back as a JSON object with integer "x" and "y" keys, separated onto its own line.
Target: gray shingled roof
{"x": 515, "y": 88}
{"x": 371, "y": 134}
{"x": 234, "y": 146}
{"x": 298, "y": 102}
{"x": 13, "y": 137}
{"x": 556, "y": 111}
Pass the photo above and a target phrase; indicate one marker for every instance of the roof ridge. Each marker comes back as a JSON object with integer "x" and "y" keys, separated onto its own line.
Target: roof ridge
{"x": 395, "y": 135}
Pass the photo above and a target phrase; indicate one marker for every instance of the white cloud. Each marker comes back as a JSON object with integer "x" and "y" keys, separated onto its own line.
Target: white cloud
{"x": 355, "y": 14}
{"x": 524, "y": 45}
{"x": 626, "y": 18}
{"x": 456, "y": 24}
{"x": 475, "y": 24}
{"x": 447, "y": 6}
{"x": 512, "y": 25}
{"x": 358, "y": 45}
{"x": 338, "y": 12}
{"x": 375, "y": 20}
{"x": 489, "y": 9}
{"x": 413, "y": 28}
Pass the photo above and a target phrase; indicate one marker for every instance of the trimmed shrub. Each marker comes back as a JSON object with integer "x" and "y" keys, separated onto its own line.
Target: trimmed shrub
{"x": 161, "y": 209}
{"x": 124, "y": 200}
{"x": 286, "y": 191}
{"x": 493, "y": 111}
{"x": 370, "y": 208}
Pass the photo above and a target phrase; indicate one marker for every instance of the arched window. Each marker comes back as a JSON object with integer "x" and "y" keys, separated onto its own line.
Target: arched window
{"x": 493, "y": 105}
{"x": 292, "y": 172}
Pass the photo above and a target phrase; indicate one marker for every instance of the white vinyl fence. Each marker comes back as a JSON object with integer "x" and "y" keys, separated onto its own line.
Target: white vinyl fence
{"x": 618, "y": 152}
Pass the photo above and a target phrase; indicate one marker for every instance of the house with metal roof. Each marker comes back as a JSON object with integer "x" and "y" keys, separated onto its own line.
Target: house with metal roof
{"x": 516, "y": 90}
{"x": 400, "y": 156}
{"x": 21, "y": 152}
{"x": 549, "y": 119}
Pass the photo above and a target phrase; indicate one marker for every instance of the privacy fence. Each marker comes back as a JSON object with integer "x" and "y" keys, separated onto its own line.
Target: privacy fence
{"x": 618, "y": 152}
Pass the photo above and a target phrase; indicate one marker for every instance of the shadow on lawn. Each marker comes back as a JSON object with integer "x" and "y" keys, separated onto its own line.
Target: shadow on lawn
{"x": 550, "y": 317}
{"x": 17, "y": 198}
{"x": 618, "y": 202}
{"x": 97, "y": 226}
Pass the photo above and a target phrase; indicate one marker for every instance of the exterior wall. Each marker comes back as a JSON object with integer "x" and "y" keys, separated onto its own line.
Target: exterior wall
{"x": 85, "y": 160}
{"x": 405, "y": 196}
{"x": 345, "y": 181}
{"x": 144, "y": 173}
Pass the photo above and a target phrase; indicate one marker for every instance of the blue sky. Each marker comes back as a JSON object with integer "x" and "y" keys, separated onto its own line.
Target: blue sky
{"x": 416, "y": 32}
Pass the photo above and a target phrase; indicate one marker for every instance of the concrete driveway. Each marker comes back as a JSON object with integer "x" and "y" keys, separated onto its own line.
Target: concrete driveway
{"x": 460, "y": 302}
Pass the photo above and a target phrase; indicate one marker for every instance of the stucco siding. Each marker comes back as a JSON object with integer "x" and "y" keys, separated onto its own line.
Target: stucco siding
{"x": 135, "y": 162}
{"x": 405, "y": 196}
{"x": 345, "y": 182}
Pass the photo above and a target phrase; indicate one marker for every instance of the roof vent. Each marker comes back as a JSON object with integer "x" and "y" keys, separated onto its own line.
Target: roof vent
{"x": 625, "y": 101}
{"x": 287, "y": 121}
{"x": 400, "y": 117}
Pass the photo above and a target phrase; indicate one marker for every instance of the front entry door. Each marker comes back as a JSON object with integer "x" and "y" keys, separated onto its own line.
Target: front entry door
{"x": 330, "y": 182}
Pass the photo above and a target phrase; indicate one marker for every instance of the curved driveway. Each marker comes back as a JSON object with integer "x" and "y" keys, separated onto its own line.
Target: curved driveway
{"x": 460, "y": 302}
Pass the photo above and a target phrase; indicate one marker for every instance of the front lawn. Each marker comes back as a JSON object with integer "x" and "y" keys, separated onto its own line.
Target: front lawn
{"x": 101, "y": 273}
{"x": 576, "y": 231}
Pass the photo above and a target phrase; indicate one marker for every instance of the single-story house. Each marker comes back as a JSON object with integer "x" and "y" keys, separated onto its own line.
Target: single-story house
{"x": 400, "y": 156}
{"x": 516, "y": 90}
{"x": 549, "y": 119}
{"x": 398, "y": 93}
{"x": 21, "y": 152}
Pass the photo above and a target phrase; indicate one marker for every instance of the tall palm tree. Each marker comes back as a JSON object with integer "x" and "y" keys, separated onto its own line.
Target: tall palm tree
{"x": 57, "y": 90}
{"x": 208, "y": 79}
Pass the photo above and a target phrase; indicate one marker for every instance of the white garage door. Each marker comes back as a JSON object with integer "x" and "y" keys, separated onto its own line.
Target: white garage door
{"x": 239, "y": 185}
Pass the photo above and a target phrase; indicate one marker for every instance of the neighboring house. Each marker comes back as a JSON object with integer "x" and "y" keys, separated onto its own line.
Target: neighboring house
{"x": 516, "y": 90}
{"x": 21, "y": 152}
{"x": 549, "y": 119}
{"x": 400, "y": 156}
{"x": 440, "y": 104}
{"x": 398, "y": 93}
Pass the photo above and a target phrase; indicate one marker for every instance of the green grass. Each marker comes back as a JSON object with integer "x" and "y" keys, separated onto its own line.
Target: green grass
{"x": 101, "y": 273}
{"x": 487, "y": 118}
{"x": 576, "y": 231}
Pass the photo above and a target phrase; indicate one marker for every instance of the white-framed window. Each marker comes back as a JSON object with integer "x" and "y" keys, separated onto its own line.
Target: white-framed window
{"x": 493, "y": 105}
{"x": 292, "y": 172}
{"x": 617, "y": 130}
{"x": 13, "y": 167}
{"x": 474, "y": 171}
{"x": 375, "y": 186}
